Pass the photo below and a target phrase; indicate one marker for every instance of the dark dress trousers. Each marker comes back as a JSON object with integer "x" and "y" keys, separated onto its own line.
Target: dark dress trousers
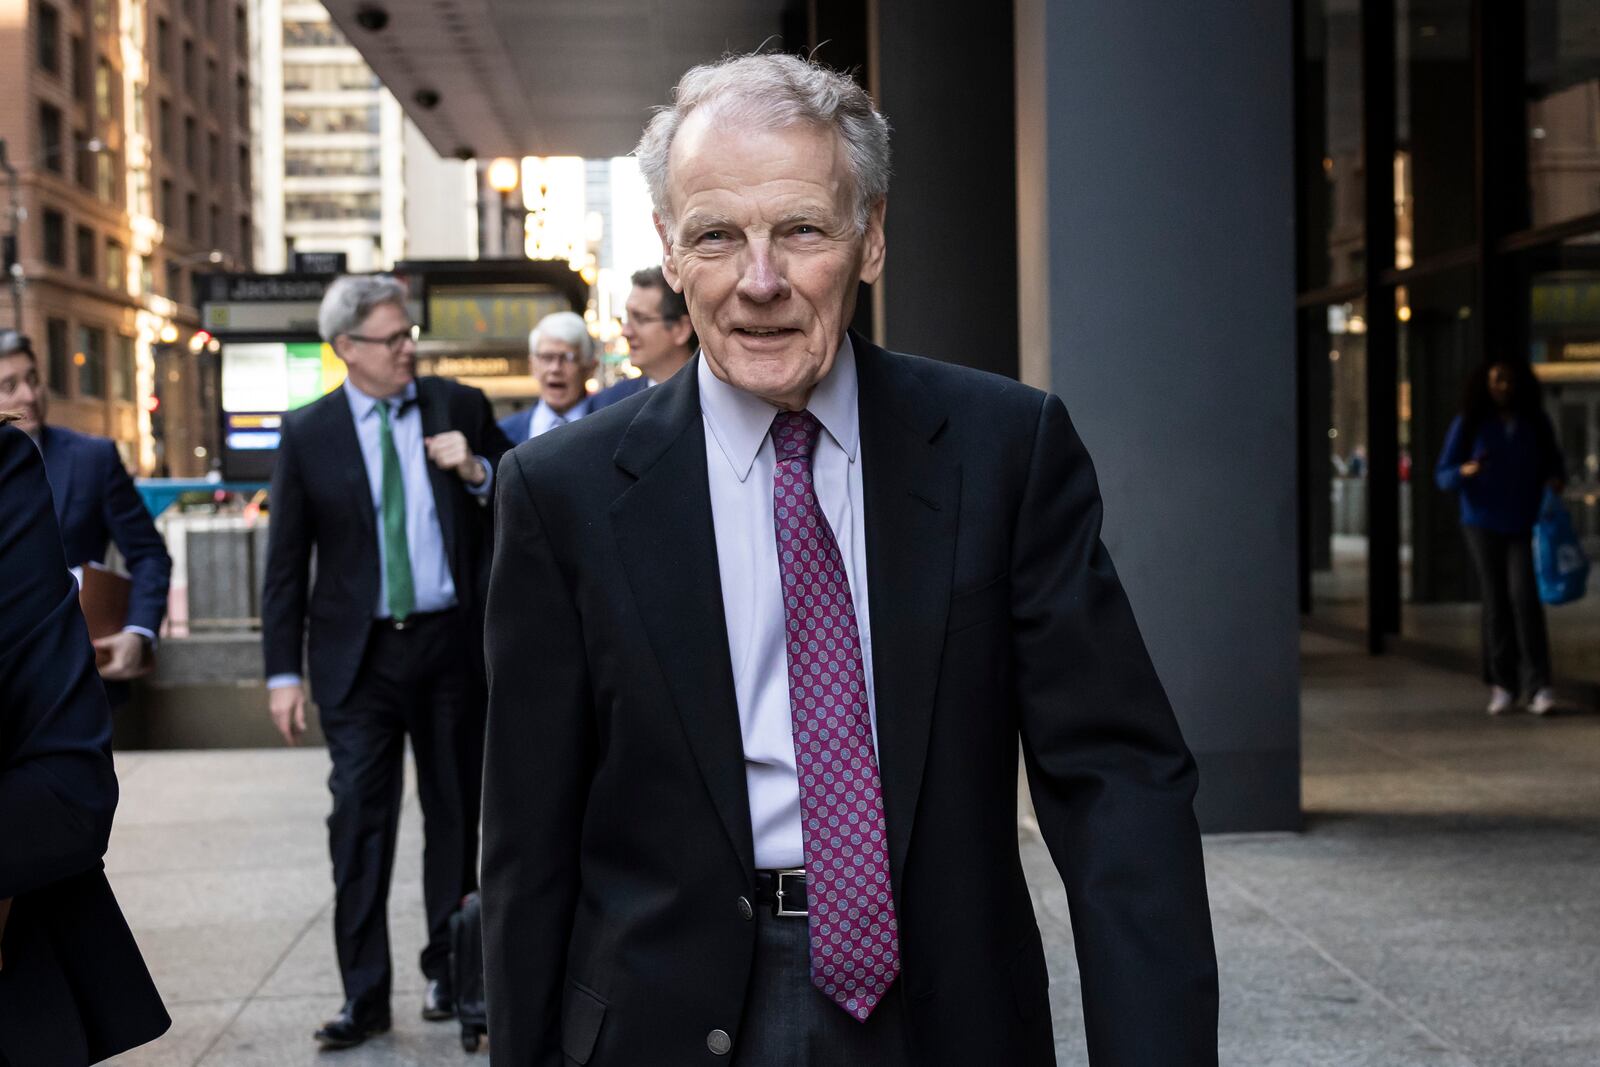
{"x": 73, "y": 988}
{"x": 618, "y": 848}
{"x": 375, "y": 686}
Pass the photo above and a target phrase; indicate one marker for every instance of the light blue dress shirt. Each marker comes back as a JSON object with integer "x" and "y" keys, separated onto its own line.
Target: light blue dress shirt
{"x": 545, "y": 419}
{"x": 430, "y": 567}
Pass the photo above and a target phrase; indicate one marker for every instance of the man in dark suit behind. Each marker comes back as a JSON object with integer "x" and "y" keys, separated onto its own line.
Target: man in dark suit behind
{"x": 73, "y": 988}
{"x": 387, "y": 479}
{"x": 660, "y": 337}
{"x": 762, "y": 643}
{"x": 96, "y": 505}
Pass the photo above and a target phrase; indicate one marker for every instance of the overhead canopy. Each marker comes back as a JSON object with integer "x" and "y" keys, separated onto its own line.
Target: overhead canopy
{"x": 543, "y": 77}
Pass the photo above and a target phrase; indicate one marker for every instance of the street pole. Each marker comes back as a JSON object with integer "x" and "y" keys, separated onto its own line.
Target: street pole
{"x": 14, "y": 239}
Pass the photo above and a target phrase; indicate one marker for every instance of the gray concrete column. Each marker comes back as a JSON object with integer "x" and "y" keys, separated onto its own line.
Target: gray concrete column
{"x": 1154, "y": 147}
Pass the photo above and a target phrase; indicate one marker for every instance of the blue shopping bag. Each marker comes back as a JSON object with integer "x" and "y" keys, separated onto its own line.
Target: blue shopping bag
{"x": 1558, "y": 557}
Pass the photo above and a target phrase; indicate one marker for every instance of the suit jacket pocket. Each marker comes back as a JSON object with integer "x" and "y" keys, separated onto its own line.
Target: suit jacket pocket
{"x": 582, "y": 1012}
{"x": 972, "y": 608}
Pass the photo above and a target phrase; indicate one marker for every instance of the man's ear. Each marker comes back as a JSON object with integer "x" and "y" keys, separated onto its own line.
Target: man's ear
{"x": 874, "y": 249}
{"x": 669, "y": 268}
{"x": 680, "y": 330}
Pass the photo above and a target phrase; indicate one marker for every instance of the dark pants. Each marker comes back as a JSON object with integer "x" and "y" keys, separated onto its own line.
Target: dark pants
{"x": 788, "y": 1022}
{"x": 1516, "y": 648}
{"x": 416, "y": 683}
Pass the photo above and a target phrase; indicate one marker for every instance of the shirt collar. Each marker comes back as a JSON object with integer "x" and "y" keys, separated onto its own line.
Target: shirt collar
{"x": 361, "y": 404}
{"x": 740, "y": 421}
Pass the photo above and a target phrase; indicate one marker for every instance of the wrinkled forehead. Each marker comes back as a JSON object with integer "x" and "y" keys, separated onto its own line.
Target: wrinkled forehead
{"x": 721, "y": 142}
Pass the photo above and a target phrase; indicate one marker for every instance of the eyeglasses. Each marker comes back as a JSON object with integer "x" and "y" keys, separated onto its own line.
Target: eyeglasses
{"x": 394, "y": 342}
{"x": 629, "y": 319}
{"x": 550, "y": 359}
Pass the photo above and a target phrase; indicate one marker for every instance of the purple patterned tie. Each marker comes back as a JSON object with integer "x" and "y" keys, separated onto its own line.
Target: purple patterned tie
{"x": 855, "y": 950}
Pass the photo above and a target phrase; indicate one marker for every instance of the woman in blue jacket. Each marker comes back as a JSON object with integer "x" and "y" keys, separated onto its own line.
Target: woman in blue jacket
{"x": 1500, "y": 454}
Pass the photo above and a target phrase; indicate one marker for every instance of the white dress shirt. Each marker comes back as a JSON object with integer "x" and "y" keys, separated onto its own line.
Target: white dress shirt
{"x": 740, "y": 463}
{"x": 545, "y": 419}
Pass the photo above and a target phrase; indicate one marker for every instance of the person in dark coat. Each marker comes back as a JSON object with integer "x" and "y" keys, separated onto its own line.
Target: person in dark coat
{"x": 1500, "y": 454}
{"x": 73, "y": 987}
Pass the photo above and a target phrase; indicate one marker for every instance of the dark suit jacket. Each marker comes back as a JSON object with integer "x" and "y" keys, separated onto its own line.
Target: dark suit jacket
{"x": 321, "y": 500}
{"x": 619, "y": 391}
{"x": 73, "y": 988}
{"x": 96, "y": 504}
{"x": 617, "y": 838}
{"x": 515, "y": 425}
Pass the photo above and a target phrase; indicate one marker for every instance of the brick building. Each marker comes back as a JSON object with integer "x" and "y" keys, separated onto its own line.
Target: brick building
{"x": 128, "y": 124}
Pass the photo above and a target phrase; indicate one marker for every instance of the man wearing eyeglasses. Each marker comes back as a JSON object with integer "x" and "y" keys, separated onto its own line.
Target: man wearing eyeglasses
{"x": 387, "y": 479}
{"x": 561, "y": 356}
{"x": 660, "y": 337}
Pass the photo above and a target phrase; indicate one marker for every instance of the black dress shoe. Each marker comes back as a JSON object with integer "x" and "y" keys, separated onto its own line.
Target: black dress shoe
{"x": 350, "y": 1027}
{"x": 437, "y": 1003}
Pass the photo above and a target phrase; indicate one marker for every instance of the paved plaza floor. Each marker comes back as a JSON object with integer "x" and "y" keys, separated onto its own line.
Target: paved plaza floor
{"x": 1441, "y": 907}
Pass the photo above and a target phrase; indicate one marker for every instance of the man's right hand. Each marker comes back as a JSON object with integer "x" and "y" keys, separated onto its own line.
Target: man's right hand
{"x": 1470, "y": 468}
{"x": 289, "y": 712}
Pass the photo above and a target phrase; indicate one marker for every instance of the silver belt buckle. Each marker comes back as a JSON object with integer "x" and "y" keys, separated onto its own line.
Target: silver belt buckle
{"x": 783, "y": 911}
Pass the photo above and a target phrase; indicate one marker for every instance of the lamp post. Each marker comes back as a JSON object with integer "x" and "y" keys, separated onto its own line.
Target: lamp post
{"x": 504, "y": 176}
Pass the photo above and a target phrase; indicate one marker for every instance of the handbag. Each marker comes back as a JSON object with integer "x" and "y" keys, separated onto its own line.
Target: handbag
{"x": 1559, "y": 561}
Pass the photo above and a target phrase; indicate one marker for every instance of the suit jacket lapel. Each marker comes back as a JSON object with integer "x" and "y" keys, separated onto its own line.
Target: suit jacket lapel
{"x": 436, "y": 420}
{"x": 57, "y": 468}
{"x": 679, "y": 597}
{"x": 339, "y": 437}
{"x": 912, "y": 495}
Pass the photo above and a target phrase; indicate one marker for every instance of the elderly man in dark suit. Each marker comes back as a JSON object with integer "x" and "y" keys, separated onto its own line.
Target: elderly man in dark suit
{"x": 762, "y": 643}
{"x": 386, "y": 479}
{"x": 73, "y": 988}
{"x": 96, "y": 505}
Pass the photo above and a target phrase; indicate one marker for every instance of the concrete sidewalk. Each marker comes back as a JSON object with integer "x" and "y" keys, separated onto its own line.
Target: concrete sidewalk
{"x": 1440, "y": 909}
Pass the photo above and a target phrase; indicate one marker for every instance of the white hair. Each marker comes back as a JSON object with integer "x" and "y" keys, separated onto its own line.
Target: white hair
{"x": 568, "y": 328}
{"x": 352, "y": 297}
{"x": 774, "y": 91}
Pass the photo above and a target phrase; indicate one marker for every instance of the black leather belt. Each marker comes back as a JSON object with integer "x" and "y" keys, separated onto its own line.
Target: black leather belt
{"x": 412, "y": 621}
{"x": 784, "y": 890}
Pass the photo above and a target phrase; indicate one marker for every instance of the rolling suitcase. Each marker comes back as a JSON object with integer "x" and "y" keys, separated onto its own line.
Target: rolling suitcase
{"x": 466, "y": 972}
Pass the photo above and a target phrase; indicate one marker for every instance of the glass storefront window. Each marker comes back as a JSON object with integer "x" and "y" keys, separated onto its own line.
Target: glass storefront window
{"x": 1332, "y": 172}
{"x": 1563, "y": 110}
{"x": 1434, "y": 124}
{"x": 1336, "y": 344}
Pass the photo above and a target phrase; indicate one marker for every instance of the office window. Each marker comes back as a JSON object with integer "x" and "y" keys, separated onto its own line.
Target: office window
{"x": 328, "y": 77}
{"x": 168, "y": 134}
{"x": 54, "y": 225}
{"x": 138, "y": 108}
{"x": 107, "y": 166}
{"x": 241, "y": 101}
{"x": 213, "y": 82}
{"x": 247, "y": 238}
{"x": 105, "y": 95}
{"x": 326, "y": 162}
{"x": 102, "y": 14}
{"x": 147, "y": 274}
{"x": 214, "y": 232}
{"x": 78, "y": 56}
{"x": 175, "y": 283}
{"x": 124, "y": 369}
{"x": 244, "y": 168}
{"x": 141, "y": 191}
{"x": 86, "y": 256}
{"x": 357, "y": 119}
{"x": 84, "y": 160}
{"x": 298, "y": 34}
{"x": 163, "y": 46}
{"x": 47, "y": 24}
{"x": 307, "y": 207}
{"x": 51, "y": 150}
{"x": 241, "y": 32}
{"x": 191, "y": 83}
{"x": 191, "y": 213}
{"x": 91, "y": 360}
{"x": 191, "y": 143}
{"x": 116, "y": 267}
{"x": 58, "y": 355}
{"x": 168, "y": 207}
{"x": 214, "y": 156}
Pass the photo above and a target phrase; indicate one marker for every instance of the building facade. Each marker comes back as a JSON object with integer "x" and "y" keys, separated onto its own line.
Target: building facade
{"x": 128, "y": 125}
{"x": 342, "y": 169}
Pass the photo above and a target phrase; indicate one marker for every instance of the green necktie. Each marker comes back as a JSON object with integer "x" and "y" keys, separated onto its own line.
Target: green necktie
{"x": 396, "y": 553}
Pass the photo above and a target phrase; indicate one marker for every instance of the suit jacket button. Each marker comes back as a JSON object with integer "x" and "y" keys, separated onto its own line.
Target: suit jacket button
{"x": 719, "y": 1042}
{"x": 745, "y": 910}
